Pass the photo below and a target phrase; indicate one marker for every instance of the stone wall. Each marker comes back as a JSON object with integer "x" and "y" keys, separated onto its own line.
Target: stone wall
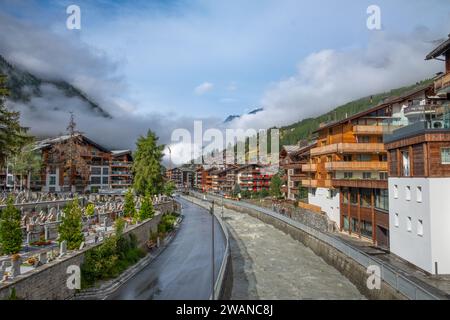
{"x": 309, "y": 218}
{"x": 48, "y": 282}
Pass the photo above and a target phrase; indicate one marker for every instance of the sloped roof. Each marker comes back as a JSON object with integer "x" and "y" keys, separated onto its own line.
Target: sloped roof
{"x": 51, "y": 141}
{"x": 440, "y": 50}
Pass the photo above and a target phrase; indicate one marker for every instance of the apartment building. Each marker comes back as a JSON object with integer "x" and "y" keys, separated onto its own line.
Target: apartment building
{"x": 419, "y": 181}
{"x": 90, "y": 169}
{"x": 293, "y": 159}
{"x": 176, "y": 176}
{"x": 120, "y": 169}
{"x": 348, "y": 167}
{"x": 253, "y": 178}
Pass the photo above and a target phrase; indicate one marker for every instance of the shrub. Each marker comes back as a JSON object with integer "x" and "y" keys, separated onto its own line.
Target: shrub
{"x": 71, "y": 226}
{"x": 10, "y": 231}
{"x": 90, "y": 210}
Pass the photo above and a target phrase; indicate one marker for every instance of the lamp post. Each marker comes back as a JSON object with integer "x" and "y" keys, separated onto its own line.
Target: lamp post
{"x": 212, "y": 251}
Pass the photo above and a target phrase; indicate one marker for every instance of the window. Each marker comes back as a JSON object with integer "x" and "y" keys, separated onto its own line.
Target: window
{"x": 408, "y": 193}
{"x": 364, "y": 157}
{"x": 409, "y": 224}
{"x": 348, "y": 175}
{"x": 380, "y": 139}
{"x": 367, "y": 175}
{"x": 105, "y": 180}
{"x": 313, "y": 191}
{"x": 383, "y": 175}
{"x": 96, "y": 170}
{"x": 365, "y": 198}
{"x": 347, "y": 158}
{"x": 382, "y": 199}
{"x": 406, "y": 165}
{"x": 105, "y": 171}
{"x": 396, "y": 220}
{"x": 419, "y": 194}
{"x": 364, "y": 139}
{"x": 382, "y": 157}
{"x": 291, "y": 172}
{"x": 330, "y": 194}
{"x": 96, "y": 180}
{"x": 366, "y": 228}
{"x": 52, "y": 180}
{"x": 395, "y": 191}
{"x": 420, "y": 227}
{"x": 445, "y": 155}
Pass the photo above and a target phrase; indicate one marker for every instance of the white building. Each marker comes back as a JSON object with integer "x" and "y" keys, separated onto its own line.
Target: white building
{"x": 419, "y": 196}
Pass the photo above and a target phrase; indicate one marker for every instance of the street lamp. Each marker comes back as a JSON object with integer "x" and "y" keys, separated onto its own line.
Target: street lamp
{"x": 212, "y": 251}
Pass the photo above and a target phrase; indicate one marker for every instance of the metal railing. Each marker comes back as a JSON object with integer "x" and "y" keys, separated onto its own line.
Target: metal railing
{"x": 410, "y": 287}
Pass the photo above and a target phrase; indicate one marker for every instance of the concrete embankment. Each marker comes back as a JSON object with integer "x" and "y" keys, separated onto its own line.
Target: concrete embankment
{"x": 351, "y": 263}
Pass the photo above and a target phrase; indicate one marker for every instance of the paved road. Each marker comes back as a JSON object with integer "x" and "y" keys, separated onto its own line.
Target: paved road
{"x": 183, "y": 269}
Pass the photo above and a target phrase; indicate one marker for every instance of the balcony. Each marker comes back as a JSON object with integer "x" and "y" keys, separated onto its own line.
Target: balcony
{"x": 356, "y": 166}
{"x": 360, "y": 183}
{"x": 309, "y": 167}
{"x": 309, "y": 183}
{"x": 368, "y": 130}
{"x": 348, "y": 148}
{"x": 442, "y": 85}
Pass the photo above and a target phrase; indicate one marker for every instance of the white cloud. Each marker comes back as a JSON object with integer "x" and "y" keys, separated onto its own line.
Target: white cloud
{"x": 329, "y": 78}
{"x": 203, "y": 88}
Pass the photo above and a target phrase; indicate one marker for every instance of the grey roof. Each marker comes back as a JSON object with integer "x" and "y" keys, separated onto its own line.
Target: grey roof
{"x": 440, "y": 50}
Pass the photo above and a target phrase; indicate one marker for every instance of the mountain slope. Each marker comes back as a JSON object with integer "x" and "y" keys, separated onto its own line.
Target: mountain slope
{"x": 32, "y": 91}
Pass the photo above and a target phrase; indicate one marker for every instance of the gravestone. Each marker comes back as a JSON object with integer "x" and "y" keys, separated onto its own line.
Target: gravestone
{"x": 15, "y": 267}
{"x": 4, "y": 265}
{"x": 63, "y": 248}
{"x": 43, "y": 257}
{"x": 82, "y": 245}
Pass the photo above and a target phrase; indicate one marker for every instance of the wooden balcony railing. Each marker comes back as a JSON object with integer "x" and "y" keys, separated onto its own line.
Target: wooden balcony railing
{"x": 309, "y": 167}
{"x": 360, "y": 183}
{"x": 368, "y": 130}
{"x": 348, "y": 148}
{"x": 356, "y": 166}
{"x": 309, "y": 183}
{"x": 442, "y": 82}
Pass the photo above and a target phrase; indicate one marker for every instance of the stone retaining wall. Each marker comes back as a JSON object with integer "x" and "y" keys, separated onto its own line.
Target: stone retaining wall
{"x": 355, "y": 272}
{"x": 48, "y": 282}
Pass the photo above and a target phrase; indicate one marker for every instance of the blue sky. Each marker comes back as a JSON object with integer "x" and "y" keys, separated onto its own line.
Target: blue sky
{"x": 165, "y": 49}
{"x": 164, "y": 64}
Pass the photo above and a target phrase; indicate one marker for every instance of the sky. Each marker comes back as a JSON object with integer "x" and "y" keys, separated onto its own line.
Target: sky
{"x": 163, "y": 64}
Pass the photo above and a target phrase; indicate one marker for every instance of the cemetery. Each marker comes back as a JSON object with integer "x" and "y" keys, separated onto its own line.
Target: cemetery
{"x": 38, "y": 270}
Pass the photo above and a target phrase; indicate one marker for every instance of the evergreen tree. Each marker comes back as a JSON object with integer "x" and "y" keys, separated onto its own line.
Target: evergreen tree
{"x": 26, "y": 162}
{"x": 129, "y": 207}
{"x": 275, "y": 186}
{"x": 147, "y": 169}
{"x": 12, "y": 135}
{"x": 71, "y": 226}
{"x": 146, "y": 211}
{"x": 169, "y": 188}
{"x": 10, "y": 231}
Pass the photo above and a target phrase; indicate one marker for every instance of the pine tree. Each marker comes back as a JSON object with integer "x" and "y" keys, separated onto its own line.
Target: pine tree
{"x": 12, "y": 135}
{"x": 275, "y": 186}
{"x": 129, "y": 207}
{"x": 147, "y": 169}
{"x": 146, "y": 211}
{"x": 10, "y": 231}
{"x": 71, "y": 226}
{"x": 169, "y": 188}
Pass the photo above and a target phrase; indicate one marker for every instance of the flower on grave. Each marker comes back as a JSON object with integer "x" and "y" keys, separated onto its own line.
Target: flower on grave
{"x": 15, "y": 257}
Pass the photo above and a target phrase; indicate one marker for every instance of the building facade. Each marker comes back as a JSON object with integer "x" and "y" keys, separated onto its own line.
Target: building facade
{"x": 349, "y": 170}
{"x": 419, "y": 180}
